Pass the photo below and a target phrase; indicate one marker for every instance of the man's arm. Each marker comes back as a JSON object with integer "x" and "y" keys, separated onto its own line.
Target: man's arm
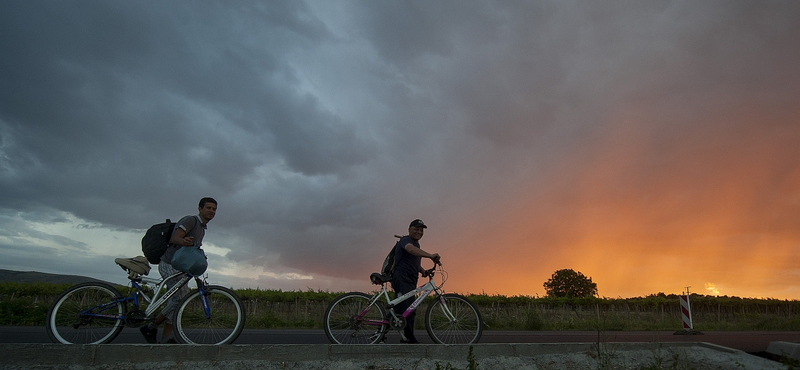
{"x": 179, "y": 235}
{"x": 413, "y": 250}
{"x": 179, "y": 238}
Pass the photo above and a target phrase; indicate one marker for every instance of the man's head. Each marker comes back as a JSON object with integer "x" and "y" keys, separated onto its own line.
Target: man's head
{"x": 207, "y": 208}
{"x": 416, "y": 229}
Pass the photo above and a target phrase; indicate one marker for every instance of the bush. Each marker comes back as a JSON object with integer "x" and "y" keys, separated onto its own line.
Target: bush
{"x": 23, "y": 312}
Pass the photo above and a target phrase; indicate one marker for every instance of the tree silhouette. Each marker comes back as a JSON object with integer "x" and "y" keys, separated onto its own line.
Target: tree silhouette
{"x": 571, "y": 284}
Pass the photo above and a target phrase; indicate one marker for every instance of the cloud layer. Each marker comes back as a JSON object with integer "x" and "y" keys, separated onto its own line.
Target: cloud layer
{"x": 651, "y": 146}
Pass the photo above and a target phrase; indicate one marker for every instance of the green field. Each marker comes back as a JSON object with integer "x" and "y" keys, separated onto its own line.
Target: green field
{"x": 26, "y": 304}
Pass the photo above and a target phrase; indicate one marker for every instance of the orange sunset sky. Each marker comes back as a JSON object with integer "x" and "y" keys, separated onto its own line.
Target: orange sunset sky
{"x": 712, "y": 203}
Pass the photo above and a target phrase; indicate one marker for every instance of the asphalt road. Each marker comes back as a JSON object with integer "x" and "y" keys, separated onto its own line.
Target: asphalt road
{"x": 752, "y": 342}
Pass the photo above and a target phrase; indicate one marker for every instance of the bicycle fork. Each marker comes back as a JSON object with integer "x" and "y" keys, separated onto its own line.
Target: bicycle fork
{"x": 204, "y": 292}
{"x": 446, "y": 310}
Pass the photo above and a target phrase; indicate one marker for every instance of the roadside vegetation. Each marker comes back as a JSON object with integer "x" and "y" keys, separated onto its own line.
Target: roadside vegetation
{"x": 26, "y": 304}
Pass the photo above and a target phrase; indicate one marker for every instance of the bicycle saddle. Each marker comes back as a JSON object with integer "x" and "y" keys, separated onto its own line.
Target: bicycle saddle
{"x": 138, "y": 264}
{"x": 378, "y": 278}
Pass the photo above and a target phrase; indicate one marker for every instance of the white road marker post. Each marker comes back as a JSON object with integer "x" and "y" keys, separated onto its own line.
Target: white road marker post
{"x": 686, "y": 315}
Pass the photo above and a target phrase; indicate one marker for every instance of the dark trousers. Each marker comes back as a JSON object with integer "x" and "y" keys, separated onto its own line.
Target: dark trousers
{"x": 402, "y": 286}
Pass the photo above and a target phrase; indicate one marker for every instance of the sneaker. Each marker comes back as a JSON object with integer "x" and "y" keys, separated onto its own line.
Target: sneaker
{"x": 409, "y": 341}
{"x": 149, "y": 334}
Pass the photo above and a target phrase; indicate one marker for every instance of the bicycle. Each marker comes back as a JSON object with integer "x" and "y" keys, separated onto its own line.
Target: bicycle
{"x": 96, "y": 312}
{"x": 358, "y": 318}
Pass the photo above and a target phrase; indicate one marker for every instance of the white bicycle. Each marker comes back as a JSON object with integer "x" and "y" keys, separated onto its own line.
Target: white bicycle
{"x": 359, "y": 318}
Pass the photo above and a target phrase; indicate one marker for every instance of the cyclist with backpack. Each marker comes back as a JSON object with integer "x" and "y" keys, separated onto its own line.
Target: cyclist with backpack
{"x": 408, "y": 266}
{"x": 189, "y": 231}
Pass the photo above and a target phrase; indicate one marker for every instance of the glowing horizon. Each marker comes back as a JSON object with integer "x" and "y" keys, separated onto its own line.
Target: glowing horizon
{"x": 644, "y": 212}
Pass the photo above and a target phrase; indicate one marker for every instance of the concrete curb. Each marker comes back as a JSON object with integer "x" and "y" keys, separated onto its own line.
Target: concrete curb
{"x": 784, "y": 349}
{"x": 378, "y": 357}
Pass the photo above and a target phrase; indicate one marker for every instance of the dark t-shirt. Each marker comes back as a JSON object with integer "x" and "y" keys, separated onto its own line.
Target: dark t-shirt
{"x": 407, "y": 265}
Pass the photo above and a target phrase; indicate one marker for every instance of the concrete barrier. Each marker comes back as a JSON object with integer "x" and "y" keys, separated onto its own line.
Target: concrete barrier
{"x": 377, "y": 357}
{"x": 784, "y": 349}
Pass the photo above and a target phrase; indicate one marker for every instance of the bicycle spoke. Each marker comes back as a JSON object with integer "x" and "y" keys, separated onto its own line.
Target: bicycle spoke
{"x": 222, "y": 326}
{"x": 350, "y": 320}
{"x": 456, "y": 322}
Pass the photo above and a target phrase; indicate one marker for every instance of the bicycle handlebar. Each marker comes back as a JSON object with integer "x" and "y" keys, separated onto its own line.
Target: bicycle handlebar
{"x": 431, "y": 271}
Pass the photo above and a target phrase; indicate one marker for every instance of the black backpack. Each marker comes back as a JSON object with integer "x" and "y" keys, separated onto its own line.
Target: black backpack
{"x": 388, "y": 263}
{"x": 387, "y": 269}
{"x": 156, "y": 240}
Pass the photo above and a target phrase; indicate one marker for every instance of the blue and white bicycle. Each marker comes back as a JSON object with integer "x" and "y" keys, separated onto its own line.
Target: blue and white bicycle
{"x": 96, "y": 312}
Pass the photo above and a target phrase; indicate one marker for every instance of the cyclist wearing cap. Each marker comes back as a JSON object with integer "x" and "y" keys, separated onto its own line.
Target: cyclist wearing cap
{"x": 408, "y": 255}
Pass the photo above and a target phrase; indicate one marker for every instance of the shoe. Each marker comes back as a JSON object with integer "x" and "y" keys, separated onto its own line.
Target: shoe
{"x": 149, "y": 334}
{"x": 169, "y": 340}
{"x": 409, "y": 341}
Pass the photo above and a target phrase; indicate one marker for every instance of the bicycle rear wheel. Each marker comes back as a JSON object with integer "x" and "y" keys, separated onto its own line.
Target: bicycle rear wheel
{"x": 223, "y": 323}
{"x": 350, "y": 319}
{"x": 453, "y": 319}
{"x": 88, "y": 313}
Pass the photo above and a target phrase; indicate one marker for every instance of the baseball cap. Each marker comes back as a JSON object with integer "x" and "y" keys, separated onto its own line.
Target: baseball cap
{"x": 418, "y": 223}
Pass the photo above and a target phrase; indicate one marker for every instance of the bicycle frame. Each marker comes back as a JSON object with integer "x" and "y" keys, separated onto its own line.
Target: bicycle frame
{"x": 423, "y": 290}
{"x": 155, "y": 302}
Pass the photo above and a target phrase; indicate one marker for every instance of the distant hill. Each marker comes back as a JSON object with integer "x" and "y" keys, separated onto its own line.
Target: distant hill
{"x": 41, "y": 277}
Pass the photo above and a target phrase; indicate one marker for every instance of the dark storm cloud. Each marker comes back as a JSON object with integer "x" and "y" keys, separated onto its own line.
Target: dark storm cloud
{"x": 127, "y": 113}
{"x": 115, "y": 98}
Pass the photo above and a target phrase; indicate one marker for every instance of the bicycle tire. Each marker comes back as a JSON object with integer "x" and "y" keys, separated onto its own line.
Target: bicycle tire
{"x": 342, "y": 327}
{"x": 66, "y": 325}
{"x": 226, "y": 322}
{"x": 465, "y": 329}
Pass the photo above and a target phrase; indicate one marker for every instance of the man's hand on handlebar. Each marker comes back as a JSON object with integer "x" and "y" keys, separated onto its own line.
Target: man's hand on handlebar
{"x": 430, "y": 272}
{"x": 437, "y": 260}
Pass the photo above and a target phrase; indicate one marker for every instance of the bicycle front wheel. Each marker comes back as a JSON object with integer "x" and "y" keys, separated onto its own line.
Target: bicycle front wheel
{"x": 213, "y": 317}
{"x": 350, "y": 319}
{"x": 453, "y": 319}
{"x": 88, "y": 313}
